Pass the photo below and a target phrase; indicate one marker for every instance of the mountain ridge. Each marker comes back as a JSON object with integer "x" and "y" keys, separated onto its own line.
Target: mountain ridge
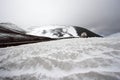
{"x": 59, "y": 31}
{"x": 11, "y": 34}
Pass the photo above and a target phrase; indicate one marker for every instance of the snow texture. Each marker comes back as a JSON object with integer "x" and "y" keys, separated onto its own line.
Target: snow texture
{"x": 54, "y": 31}
{"x": 66, "y": 59}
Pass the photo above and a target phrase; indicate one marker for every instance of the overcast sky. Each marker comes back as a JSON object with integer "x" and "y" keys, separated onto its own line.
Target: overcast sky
{"x": 101, "y": 16}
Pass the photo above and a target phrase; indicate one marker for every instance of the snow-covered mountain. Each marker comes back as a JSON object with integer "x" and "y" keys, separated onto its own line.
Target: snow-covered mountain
{"x": 61, "y": 31}
{"x": 54, "y": 31}
{"x": 10, "y": 32}
{"x": 11, "y": 28}
{"x": 11, "y": 35}
{"x": 66, "y": 59}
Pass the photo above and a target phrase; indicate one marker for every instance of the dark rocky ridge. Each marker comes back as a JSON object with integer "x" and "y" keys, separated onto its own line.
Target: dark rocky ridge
{"x": 89, "y": 33}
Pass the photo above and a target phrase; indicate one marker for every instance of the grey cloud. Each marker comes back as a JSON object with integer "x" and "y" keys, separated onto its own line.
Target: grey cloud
{"x": 101, "y": 16}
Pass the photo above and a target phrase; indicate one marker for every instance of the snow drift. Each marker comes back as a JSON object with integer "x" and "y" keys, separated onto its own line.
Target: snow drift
{"x": 66, "y": 59}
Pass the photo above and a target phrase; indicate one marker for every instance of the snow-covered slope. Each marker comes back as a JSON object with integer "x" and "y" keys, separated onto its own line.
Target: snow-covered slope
{"x": 11, "y": 28}
{"x": 58, "y": 31}
{"x": 11, "y": 35}
{"x": 66, "y": 59}
{"x": 54, "y": 31}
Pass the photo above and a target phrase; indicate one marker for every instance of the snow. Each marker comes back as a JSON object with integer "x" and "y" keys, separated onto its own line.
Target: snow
{"x": 54, "y": 31}
{"x": 11, "y": 27}
{"x": 66, "y": 59}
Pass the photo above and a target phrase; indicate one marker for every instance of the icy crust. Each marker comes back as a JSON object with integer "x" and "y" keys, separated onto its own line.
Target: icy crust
{"x": 54, "y": 31}
{"x": 68, "y": 59}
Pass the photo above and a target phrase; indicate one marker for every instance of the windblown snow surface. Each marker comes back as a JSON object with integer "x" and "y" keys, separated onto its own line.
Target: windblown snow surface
{"x": 66, "y": 59}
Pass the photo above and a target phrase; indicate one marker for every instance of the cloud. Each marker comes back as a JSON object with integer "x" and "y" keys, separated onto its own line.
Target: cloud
{"x": 101, "y": 15}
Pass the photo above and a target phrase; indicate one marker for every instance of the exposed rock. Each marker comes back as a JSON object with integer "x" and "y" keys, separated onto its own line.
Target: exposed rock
{"x": 89, "y": 33}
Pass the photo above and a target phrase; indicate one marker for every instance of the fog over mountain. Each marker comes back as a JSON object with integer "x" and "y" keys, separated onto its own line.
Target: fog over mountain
{"x": 101, "y": 16}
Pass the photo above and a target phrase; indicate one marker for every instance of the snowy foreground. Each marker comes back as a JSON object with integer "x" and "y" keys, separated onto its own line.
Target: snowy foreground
{"x": 67, "y": 59}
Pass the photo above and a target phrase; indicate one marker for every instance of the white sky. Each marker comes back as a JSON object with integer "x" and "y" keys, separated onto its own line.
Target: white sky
{"x": 102, "y": 16}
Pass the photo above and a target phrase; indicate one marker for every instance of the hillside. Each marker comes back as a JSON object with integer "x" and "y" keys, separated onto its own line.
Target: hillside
{"x": 11, "y": 28}
{"x": 58, "y": 31}
{"x": 11, "y": 35}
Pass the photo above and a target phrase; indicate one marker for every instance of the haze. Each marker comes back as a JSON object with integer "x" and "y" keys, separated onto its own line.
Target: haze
{"x": 101, "y": 16}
